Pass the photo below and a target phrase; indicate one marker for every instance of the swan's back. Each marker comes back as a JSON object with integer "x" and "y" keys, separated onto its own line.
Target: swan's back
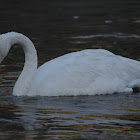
{"x": 84, "y": 72}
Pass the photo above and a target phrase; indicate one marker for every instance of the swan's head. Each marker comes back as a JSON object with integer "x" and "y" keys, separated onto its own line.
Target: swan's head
{"x": 4, "y": 46}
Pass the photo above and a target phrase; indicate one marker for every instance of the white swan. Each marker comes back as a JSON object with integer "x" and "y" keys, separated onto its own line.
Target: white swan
{"x": 87, "y": 72}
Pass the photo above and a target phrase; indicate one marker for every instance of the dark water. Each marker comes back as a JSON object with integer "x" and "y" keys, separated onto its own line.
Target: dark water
{"x": 58, "y": 27}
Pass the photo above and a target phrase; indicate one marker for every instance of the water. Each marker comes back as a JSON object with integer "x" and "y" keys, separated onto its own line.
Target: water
{"x": 56, "y": 28}
{"x": 106, "y": 116}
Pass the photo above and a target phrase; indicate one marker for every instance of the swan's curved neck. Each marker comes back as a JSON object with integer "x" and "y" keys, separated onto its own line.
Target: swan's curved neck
{"x": 24, "y": 81}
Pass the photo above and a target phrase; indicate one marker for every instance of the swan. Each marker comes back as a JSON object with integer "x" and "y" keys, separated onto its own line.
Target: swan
{"x": 86, "y": 72}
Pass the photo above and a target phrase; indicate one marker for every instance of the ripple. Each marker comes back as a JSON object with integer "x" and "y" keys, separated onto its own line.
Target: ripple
{"x": 108, "y": 21}
{"x": 117, "y": 35}
{"x": 138, "y": 21}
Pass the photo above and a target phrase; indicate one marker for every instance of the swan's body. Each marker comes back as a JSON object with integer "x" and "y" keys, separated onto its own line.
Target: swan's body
{"x": 86, "y": 72}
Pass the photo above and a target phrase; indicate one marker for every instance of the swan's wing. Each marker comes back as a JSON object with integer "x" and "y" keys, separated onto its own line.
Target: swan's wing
{"x": 81, "y": 70}
{"x": 77, "y": 66}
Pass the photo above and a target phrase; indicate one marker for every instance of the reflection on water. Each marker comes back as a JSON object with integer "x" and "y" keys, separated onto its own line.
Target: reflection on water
{"x": 56, "y": 28}
{"x": 71, "y": 117}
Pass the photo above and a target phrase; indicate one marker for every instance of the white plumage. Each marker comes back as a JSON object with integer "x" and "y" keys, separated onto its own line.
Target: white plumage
{"x": 87, "y": 72}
